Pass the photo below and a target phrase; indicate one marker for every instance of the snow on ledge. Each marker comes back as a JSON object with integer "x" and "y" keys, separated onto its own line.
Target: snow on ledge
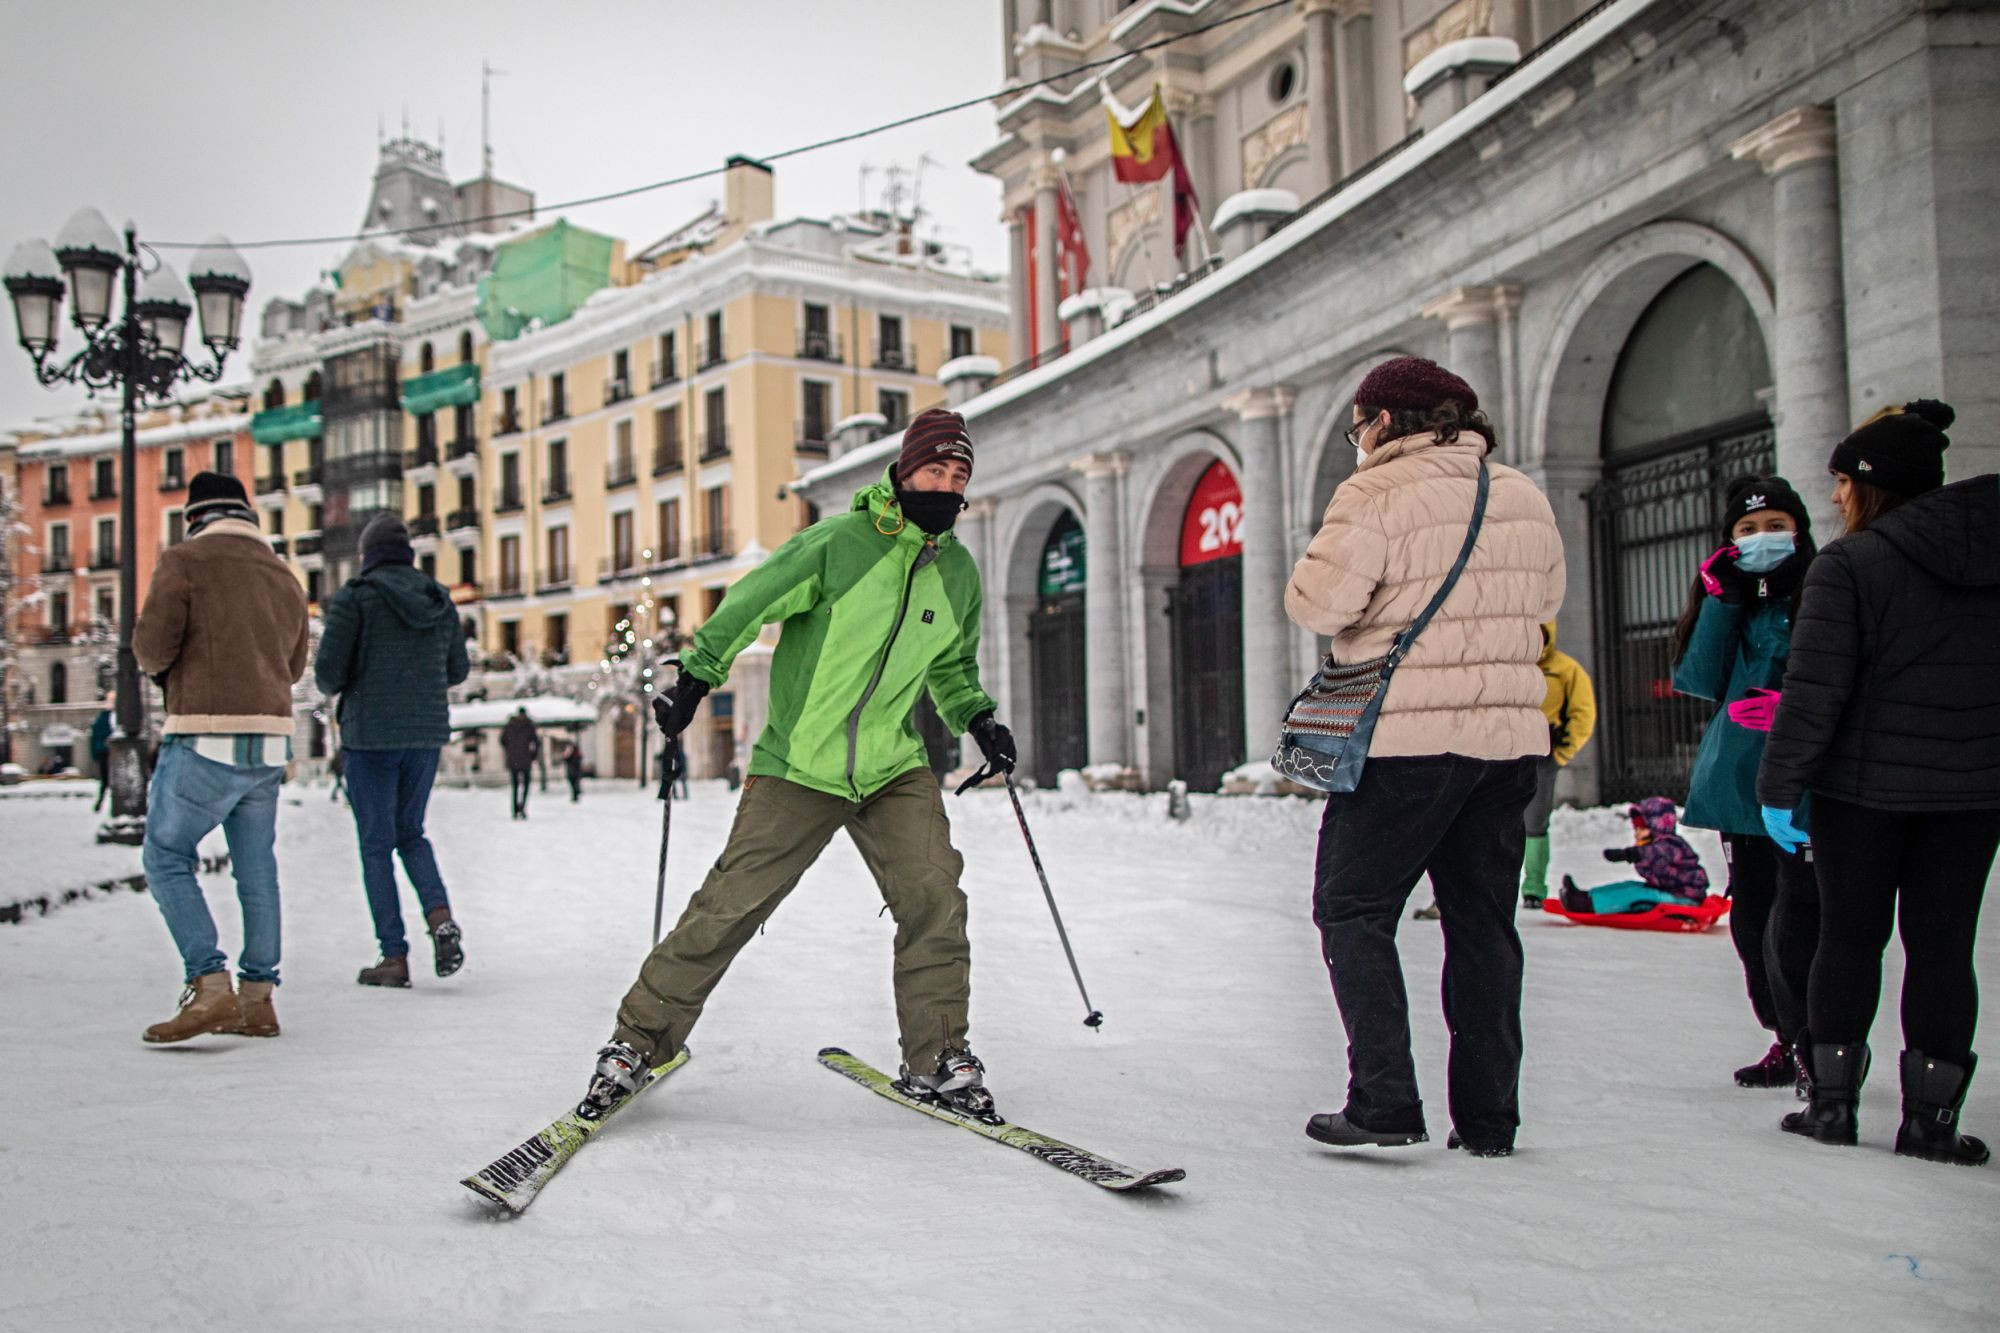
{"x": 859, "y": 419}
{"x": 1249, "y": 203}
{"x": 1112, "y": 301}
{"x": 1464, "y": 51}
{"x": 544, "y": 710}
{"x": 968, "y": 367}
{"x": 1123, "y": 29}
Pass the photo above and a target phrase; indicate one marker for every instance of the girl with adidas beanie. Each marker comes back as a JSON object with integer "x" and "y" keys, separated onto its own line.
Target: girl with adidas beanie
{"x": 1730, "y": 647}
{"x": 1890, "y": 718}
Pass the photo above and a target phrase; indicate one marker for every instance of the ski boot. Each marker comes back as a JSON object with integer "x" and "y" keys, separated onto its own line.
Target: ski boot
{"x": 1775, "y": 1070}
{"x": 620, "y": 1072}
{"x": 959, "y": 1085}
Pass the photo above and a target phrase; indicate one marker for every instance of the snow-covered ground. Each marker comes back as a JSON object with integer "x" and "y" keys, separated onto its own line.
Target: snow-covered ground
{"x": 311, "y": 1182}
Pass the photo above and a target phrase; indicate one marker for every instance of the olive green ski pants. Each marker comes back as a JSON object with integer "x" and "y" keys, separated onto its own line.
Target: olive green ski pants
{"x": 780, "y": 830}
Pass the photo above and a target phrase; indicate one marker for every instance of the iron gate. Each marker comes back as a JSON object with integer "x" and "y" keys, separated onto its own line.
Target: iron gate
{"x": 1207, "y": 611}
{"x": 1062, "y": 726}
{"x": 1654, "y": 517}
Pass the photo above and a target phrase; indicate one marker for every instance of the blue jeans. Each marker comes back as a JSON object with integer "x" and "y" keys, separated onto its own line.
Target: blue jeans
{"x": 389, "y": 790}
{"x": 190, "y": 796}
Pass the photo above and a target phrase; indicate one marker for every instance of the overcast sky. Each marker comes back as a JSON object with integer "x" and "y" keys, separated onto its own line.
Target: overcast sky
{"x": 259, "y": 120}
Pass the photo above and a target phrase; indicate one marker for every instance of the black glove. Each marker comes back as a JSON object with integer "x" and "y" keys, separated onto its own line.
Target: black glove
{"x": 995, "y": 742}
{"x": 675, "y": 709}
{"x": 1777, "y": 585}
{"x": 1722, "y": 580}
{"x": 1621, "y": 853}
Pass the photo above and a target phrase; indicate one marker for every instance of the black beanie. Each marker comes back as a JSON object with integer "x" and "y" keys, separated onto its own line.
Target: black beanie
{"x": 1900, "y": 449}
{"x": 1754, "y": 495}
{"x": 206, "y": 490}
{"x": 384, "y": 530}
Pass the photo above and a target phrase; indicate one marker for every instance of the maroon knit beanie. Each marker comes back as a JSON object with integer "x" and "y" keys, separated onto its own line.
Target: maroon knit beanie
{"x": 935, "y": 433}
{"x": 1413, "y": 383}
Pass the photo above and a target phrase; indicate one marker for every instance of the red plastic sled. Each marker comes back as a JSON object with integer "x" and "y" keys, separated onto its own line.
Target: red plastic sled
{"x": 1660, "y": 916}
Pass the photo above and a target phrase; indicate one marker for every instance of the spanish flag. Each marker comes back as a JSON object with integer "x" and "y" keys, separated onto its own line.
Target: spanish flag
{"x": 1143, "y": 150}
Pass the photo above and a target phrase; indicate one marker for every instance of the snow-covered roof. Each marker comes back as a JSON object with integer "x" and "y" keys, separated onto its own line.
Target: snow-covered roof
{"x": 196, "y": 428}
{"x": 1246, "y": 203}
{"x": 1481, "y": 110}
{"x": 544, "y": 710}
{"x": 1464, "y": 51}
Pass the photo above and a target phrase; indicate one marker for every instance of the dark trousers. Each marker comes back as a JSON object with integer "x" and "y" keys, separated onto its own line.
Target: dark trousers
{"x": 389, "y": 791}
{"x": 1925, "y": 874}
{"x": 1774, "y": 922}
{"x": 517, "y": 781}
{"x": 1460, "y": 820}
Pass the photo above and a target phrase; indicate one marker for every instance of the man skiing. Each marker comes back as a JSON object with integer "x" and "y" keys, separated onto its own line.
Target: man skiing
{"x": 875, "y": 604}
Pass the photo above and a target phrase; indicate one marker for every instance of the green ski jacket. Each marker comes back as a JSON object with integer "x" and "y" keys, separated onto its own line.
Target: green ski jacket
{"x": 872, "y": 611}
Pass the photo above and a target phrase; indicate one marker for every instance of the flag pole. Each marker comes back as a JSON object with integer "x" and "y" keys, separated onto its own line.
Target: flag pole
{"x": 1145, "y": 247}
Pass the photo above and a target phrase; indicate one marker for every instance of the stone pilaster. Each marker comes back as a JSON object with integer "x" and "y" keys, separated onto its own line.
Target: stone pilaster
{"x": 1478, "y": 323}
{"x": 1323, "y": 90}
{"x": 1267, "y": 561}
{"x": 1110, "y": 714}
{"x": 1354, "y": 73}
{"x": 1048, "y": 329}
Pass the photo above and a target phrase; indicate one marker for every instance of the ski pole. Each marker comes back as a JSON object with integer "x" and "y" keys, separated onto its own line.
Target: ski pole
{"x": 666, "y": 828}
{"x": 1093, "y": 1018}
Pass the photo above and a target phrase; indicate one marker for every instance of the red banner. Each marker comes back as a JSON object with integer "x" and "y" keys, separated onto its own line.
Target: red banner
{"x": 1213, "y": 528}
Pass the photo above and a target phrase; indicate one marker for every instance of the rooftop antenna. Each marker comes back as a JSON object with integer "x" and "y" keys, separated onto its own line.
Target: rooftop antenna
{"x": 867, "y": 170}
{"x": 486, "y": 73}
{"x": 917, "y": 195}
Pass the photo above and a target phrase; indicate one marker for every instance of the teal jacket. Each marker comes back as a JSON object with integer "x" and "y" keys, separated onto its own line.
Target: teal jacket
{"x": 872, "y": 611}
{"x": 392, "y": 648}
{"x": 1733, "y": 650}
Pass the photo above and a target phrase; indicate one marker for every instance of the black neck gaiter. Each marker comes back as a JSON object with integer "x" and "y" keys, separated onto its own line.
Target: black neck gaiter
{"x": 932, "y": 511}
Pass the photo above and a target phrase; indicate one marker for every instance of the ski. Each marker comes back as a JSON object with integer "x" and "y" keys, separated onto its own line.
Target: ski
{"x": 513, "y": 1180}
{"x": 1100, "y": 1171}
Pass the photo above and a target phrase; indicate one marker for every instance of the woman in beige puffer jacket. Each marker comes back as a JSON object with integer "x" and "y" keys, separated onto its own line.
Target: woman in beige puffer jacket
{"x": 1451, "y": 765}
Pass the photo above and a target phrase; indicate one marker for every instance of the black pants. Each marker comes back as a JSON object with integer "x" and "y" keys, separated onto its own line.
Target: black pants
{"x": 1924, "y": 873}
{"x": 1459, "y": 819}
{"x": 518, "y": 779}
{"x": 1774, "y": 921}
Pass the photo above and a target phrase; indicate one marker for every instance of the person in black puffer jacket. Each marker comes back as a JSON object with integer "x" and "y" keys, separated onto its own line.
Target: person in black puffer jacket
{"x": 1890, "y": 717}
{"x": 392, "y": 649}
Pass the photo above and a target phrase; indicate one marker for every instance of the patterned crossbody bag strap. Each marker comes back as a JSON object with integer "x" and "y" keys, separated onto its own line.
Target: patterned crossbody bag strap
{"x": 1408, "y": 637}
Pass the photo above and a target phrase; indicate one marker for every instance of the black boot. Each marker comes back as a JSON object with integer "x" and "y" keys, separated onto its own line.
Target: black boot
{"x": 1837, "y": 1072}
{"x": 1335, "y": 1128}
{"x": 1575, "y": 901}
{"x": 1933, "y": 1092}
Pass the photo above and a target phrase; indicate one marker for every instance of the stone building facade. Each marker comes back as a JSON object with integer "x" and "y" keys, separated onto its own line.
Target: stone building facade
{"x": 1671, "y": 243}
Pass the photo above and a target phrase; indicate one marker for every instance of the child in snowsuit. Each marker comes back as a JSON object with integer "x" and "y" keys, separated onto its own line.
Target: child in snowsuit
{"x": 1669, "y": 870}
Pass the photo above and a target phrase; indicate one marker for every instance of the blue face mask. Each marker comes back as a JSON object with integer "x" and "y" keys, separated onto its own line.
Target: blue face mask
{"x": 1762, "y": 552}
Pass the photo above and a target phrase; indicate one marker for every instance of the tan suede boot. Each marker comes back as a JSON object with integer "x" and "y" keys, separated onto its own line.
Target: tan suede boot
{"x": 207, "y": 1005}
{"x": 259, "y": 1016}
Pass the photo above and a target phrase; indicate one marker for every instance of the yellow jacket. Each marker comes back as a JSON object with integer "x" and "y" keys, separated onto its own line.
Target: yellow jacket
{"x": 1570, "y": 704}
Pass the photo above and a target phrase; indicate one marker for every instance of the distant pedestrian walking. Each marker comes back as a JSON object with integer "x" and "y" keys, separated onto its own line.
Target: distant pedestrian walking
{"x": 522, "y": 744}
{"x": 392, "y": 648}
{"x": 573, "y": 770}
{"x": 224, "y": 627}
{"x": 100, "y": 752}
{"x": 337, "y": 766}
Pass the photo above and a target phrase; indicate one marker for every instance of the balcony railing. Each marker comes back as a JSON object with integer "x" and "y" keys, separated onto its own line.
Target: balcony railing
{"x": 308, "y": 476}
{"x": 173, "y": 481}
{"x": 667, "y": 457}
{"x": 715, "y": 544}
{"x": 715, "y": 443}
{"x": 509, "y": 424}
{"x": 424, "y": 525}
{"x": 104, "y": 490}
{"x": 278, "y": 544}
{"x": 57, "y": 633}
{"x": 710, "y": 355}
{"x": 809, "y": 437}
{"x": 620, "y": 472}
{"x": 505, "y": 585}
{"x": 308, "y": 544}
{"x": 54, "y": 497}
{"x": 508, "y": 500}
{"x": 271, "y": 485}
{"x": 556, "y": 489}
{"x": 819, "y": 345}
{"x": 668, "y": 553}
{"x": 553, "y": 580}
{"x": 105, "y": 557}
{"x": 618, "y": 567}
{"x": 465, "y": 446}
{"x": 896, "y": 358}
{"x": 616, "y": 391}
{"x": 58, "y": 562}
{"x": 461, "y": 520}
{"x": 557, "y": 411}
{"x": 664, "y": 375}
{"x": 424, "y": 455}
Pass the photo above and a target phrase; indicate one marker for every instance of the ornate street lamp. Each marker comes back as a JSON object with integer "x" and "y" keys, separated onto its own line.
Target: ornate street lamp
{"x": 139, "y": 354}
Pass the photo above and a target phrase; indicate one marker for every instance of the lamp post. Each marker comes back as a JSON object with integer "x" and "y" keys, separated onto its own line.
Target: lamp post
{"x": 139, "y": 354}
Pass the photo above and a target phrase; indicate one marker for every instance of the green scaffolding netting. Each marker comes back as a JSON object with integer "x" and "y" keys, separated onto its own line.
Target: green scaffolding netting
{"x": 542, "y": 277}
{"x": 440, "y": 389}
{"x": 275, "y": 425}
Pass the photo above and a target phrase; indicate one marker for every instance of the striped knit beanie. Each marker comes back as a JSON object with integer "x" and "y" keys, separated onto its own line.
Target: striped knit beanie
{"x": 936, "y": 434}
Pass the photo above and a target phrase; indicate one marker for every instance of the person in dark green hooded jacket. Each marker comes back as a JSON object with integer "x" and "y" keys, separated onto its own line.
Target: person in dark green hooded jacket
{"x": 875, "y": 605}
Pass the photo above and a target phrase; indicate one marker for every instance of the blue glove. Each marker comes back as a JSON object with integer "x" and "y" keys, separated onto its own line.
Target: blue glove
{"x": 1778, "y": 823}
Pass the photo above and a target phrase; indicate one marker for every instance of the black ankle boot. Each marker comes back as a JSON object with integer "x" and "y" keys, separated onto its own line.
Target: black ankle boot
{"x": 1933, "y": 1092}
{"x": 1837, "y": 1073}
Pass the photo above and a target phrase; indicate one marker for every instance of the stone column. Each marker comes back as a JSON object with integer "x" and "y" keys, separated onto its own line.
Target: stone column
{"x": 1322, "y": 18}
{"x": 1354, "y": 73}
{"x": 1809, "y": 360}
{"x": 1267, "y": 562}
{"x": 1048, "y": 329}
{"x": 1472, "y": 319}
{"x": 1110, "y": 712}
{"x": 1017, "y": 288}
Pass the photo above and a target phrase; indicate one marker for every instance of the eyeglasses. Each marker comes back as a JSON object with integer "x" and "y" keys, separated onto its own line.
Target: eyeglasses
{"x": 1354, "y": 433}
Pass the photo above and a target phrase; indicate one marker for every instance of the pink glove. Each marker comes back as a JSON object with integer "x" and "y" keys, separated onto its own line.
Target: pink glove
{"x": 1709, "y": 582}
{"x": 1756, "y": 712}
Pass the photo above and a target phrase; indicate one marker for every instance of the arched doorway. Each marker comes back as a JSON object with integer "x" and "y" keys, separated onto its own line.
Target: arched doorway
{"x": 1206, "y": 607}
{"x": 1056, "y": 654}
{"x": 1684, "y": 415}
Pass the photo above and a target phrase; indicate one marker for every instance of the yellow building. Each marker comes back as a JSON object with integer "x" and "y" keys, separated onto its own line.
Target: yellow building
{"x": 636, "y": 454}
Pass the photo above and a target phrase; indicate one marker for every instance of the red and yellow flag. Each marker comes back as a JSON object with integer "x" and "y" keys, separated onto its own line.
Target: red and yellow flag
{"x": 1144, "y": 150}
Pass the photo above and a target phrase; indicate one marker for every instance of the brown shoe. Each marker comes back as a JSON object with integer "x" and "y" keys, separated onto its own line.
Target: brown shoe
{"x": 259, "y": 1018}
{"x": 207, "y": 1005}
{"x": 388, "y": 972}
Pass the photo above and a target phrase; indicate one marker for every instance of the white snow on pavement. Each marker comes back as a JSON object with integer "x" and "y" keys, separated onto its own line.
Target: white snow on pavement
{"x": 310, "y": 1182}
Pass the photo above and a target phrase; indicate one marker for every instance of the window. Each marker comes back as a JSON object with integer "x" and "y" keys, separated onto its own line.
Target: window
{"x": 107, "y": 605}
{"x": 225, "y": 457}
{"x": 316, "y": 515}
{"x": 58, "y": 484}
{"x": 558, "y": 396}
{"x": 58, "y": 683}
{"x": 715, "y": 514}
{"x": 814, "y": 428}
{"x": 510, "y": 411}
{"x": 461, "y": 422}
{"x": 559, "y": 555}
{"x": 669, "y": 614}
{"x": 427, "y": 438}
{"x": 310, "y": 394}
{"x": 558, "y": 487}
{"x": 427, "y": 501}
{"x": 557, "y": 632}
{"x": 670, "y": 530}
{"x": 468, "y": 566}
{"x": 621, "y": 367}
{"x": 106, "y": 556}
{"x": 59, "y": 610}
{"x": 666, "y": 363}
{"x": 510, "y": 481}
{"x": 173, "y": 471}
{"x": 466, "y": 496}
{"x": 426, "y": 360}
{"x": 712, "y": 600}
{"x": 1284, "y": 80}
{"x": 510, "y": 564}
{"x": 104, "y": 479}
{"x": 59, "y": 557}
{"x": 278, "y": 522}
{"x": 712, "y": 352}
{"x": 889, "y": 352}
{"x": 815, "y": 340}
{"x": 274, "y": 395}
{"x": 894, "y": 405}
{"x": 176, "y": 526}
{"x": 313, "y": 584}
{"x": 465, "y": 347}
{"x": 621, "y": 453}
{"x": 715, "y": 425}
{"x": 510, "y": 637}
{"x": 615, "y": 626}
{"x": 429, "y": 564}
{"x": 621, "y": 541}
{"x": 666, "y": 440}
{"x": 961, "y": 341}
